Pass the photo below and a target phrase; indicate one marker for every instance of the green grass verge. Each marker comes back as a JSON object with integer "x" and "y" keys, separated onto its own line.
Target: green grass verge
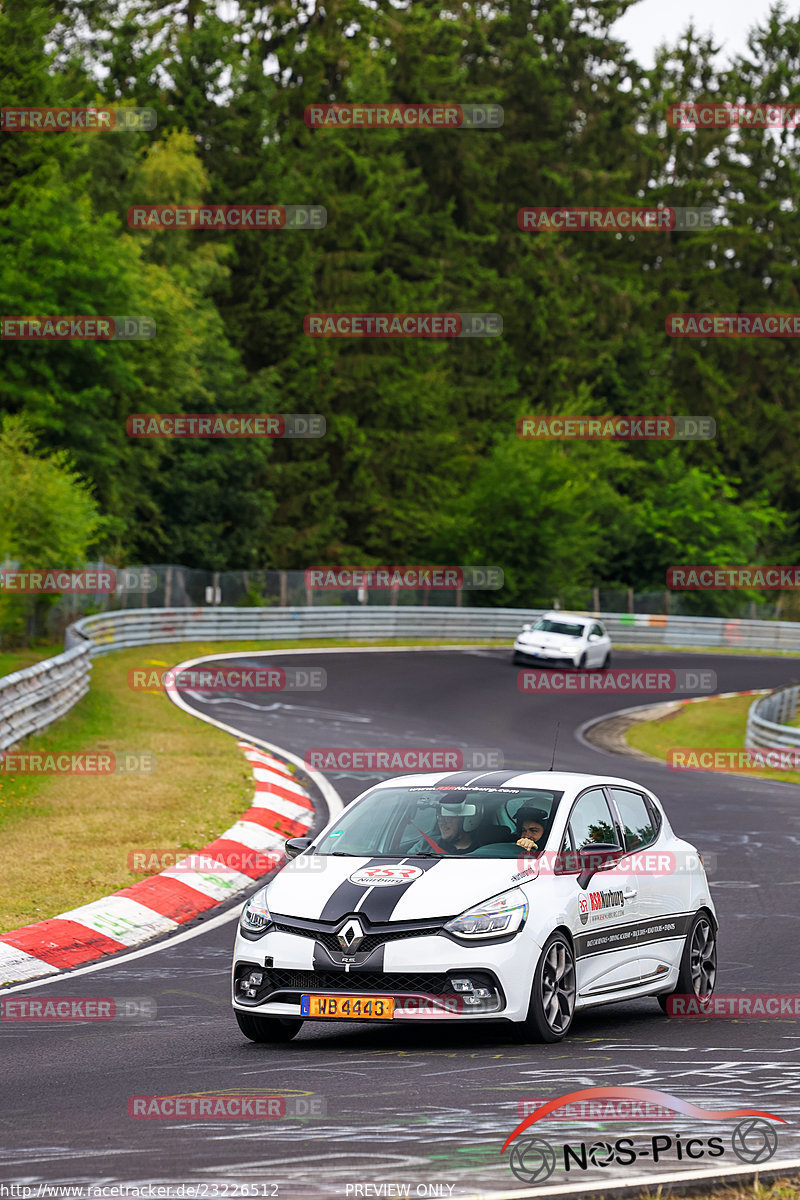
{"x": 17, "y": 660}
{"x": 711, "y": 724}
{"x": 739, "y": 651}
{"x": 781, "y": 1189}
{"x": 65, "y": 840}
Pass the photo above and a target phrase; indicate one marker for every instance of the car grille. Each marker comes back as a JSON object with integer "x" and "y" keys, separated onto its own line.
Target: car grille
{"x": 373, "y": 939}
{"x": 387, "y": 983}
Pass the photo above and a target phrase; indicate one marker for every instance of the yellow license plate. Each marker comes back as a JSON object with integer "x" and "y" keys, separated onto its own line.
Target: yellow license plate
{"x": 364, "y": 1008}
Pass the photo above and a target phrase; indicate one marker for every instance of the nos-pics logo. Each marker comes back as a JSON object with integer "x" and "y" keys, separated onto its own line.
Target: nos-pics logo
{"x": 534, "y": 1159}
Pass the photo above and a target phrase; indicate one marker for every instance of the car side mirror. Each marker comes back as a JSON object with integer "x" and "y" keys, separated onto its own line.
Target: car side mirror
{"x": 599, "y": 857}
{"x": 594, "y": 637}
{"x": 296, "y": 846}
{"x": 527, "y": 628}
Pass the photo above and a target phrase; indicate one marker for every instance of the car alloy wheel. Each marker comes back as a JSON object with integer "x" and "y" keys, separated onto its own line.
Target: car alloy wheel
{"x": 552, "y": 1003}
{"x": 703, "y": 959}
{"x": 698, "y": 971}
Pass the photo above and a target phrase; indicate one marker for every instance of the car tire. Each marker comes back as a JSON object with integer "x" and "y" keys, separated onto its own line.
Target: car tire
{"x": 552, "y": 1002}
{"x": 517, "y": 659}
{"x": 581, "y": 663}
{"x": 698, "y": 969}
{"x": 606, "y": 662}
{"x": 266, "y": 1029}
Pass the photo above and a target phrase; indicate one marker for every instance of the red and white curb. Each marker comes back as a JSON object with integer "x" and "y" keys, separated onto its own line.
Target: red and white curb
{"x": 281, "y": 809}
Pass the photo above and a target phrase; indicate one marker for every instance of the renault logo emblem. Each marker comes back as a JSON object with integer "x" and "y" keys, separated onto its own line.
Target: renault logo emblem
{"x": 351, "y": 935}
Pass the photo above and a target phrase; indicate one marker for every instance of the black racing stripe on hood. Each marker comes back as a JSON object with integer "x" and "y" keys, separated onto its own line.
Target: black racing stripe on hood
{"x": 496, "y": 778}
{"x": 347, "y": 894}
{"x": 456, "y": 779}
{"x": 382, "y": 901}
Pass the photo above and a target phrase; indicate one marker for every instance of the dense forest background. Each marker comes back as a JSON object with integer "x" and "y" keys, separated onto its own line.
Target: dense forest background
{"x": 421, "y": 462}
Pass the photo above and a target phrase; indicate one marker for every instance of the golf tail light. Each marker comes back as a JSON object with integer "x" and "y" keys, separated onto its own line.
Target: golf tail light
{"x": 500, "y": 915}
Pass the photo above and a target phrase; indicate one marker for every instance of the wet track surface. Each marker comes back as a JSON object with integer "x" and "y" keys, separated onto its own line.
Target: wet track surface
{"x": 425, "y": 1106}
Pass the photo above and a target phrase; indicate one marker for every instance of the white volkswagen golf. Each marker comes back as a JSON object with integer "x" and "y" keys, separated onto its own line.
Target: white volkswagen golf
{"x": 514, "y": 897}
{"x": 561, "y": 639}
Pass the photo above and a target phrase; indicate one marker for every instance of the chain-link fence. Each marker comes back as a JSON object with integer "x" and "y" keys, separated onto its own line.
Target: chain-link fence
{"x": 28, "y": 618}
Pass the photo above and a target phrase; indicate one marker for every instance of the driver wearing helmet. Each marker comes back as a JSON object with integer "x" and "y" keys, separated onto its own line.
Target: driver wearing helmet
{"x": 453, "y": 837}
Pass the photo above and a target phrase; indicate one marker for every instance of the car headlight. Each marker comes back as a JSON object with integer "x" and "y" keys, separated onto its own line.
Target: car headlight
{"x": 255, "y": 916}
{"x": 502, "y": 914}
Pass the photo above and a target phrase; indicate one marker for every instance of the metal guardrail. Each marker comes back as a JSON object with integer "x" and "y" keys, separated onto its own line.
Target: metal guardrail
{"x": 139, "y": 627}
{"x": 766, "y": 721}
{"x": 34, "y": 698}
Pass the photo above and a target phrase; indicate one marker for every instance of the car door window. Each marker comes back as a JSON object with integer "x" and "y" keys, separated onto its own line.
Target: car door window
{"x": 637, "y": 819}
{"x": 597, "y": 630}
{"x": 591, "y": 821}
{"x": 567, "y": 862}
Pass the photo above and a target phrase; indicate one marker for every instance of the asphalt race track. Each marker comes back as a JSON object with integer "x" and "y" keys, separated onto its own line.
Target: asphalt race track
{"x": 425, "y": 1106}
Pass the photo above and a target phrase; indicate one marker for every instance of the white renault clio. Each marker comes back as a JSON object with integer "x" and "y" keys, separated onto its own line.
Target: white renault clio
{"x": 513, "y": 897}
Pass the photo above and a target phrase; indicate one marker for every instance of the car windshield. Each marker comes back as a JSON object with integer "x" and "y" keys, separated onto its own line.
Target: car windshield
{"x": 443, "y": 821}
{"x": 547, "y": 625}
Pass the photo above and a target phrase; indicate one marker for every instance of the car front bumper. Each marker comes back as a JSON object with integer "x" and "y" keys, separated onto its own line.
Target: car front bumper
{"x": 547, "y": 658}
{"x": 417, "y": 972}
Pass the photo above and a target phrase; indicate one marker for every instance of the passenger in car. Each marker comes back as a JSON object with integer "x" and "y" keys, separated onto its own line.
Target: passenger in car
{"x": 531, "y": 824}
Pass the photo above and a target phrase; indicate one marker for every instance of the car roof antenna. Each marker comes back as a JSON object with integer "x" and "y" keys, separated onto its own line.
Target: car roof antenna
{"x": 555, "y": 743}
